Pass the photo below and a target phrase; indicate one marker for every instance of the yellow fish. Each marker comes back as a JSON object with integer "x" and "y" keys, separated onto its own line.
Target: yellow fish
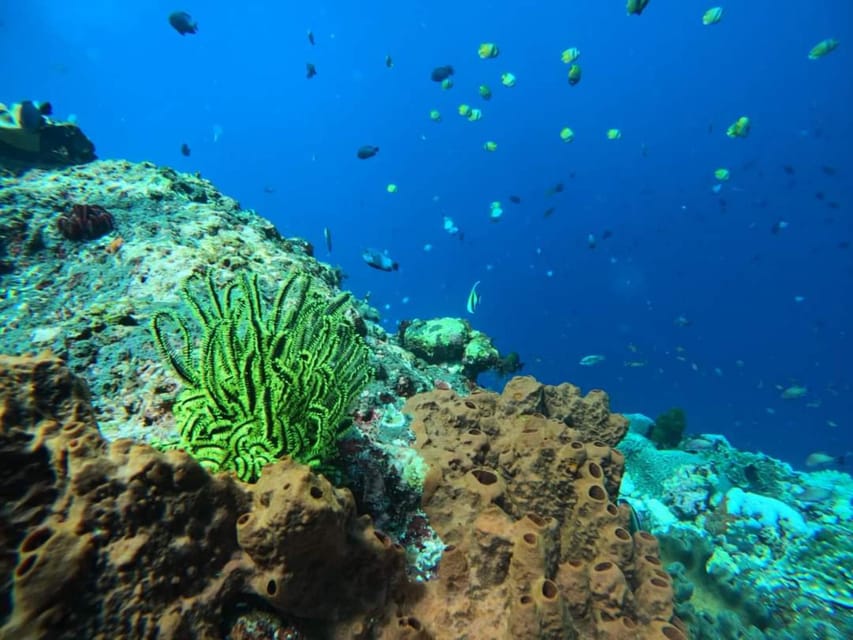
{"x": 488, "y": 50}
{"x": 739, "y": 128}
{"x": 712, "y": 16}
{"x": 570, "y": 55}
{"x": 822, "y": 48}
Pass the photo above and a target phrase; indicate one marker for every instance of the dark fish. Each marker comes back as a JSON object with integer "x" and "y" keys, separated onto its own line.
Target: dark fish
{"x": 30, "y": 117}
{"x": 389, "y": 62}
{"x": 844, "y": 244}
{"x": 515, "y": 199}
{"x": 634, "y": 522}
{"x": 310, "y": 70}
{"x": 183, "y": 23}
{"x": 788, "y": 169}
{"x": 367, "y": 151}
{"x": 777, "y": 227}
{"x": 557, "y": 188}
{"x": 185, "y": 150}
{"x": 379, "y": 260}
{"x": 607, "y": 233}
{"x": 819, "y": 195}
{"x": 45, "y": 108}
{"x": 549, "y": 212}
{"x": 269, "y": 189}
{"x": 830, "y": 171}
{"x": 310, "y": 36}
{"x": 440, "y": 74}
{"x": 832, "y": 204}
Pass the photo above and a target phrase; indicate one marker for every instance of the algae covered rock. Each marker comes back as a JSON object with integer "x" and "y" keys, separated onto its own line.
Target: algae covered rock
{"x": 451, "y": 341}
{"x": 28, "y": 138}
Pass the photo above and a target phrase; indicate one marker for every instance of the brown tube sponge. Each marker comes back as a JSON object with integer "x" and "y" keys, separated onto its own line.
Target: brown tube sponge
{"x": 608, "y": 587}
{"x": 654, "y": 599}
{"x": 550, "y": 609}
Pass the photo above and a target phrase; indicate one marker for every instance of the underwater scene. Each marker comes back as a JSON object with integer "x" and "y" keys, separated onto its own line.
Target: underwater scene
{"x": 426, "y": 320}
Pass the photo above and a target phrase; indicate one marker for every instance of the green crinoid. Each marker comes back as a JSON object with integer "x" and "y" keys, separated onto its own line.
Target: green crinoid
{"x": 265, "y": 381}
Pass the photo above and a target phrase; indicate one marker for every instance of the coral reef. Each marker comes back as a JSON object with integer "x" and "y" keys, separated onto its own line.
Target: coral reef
{"x": 757, "y": 550}
{"x": 121, "y": 540}
{"x": 90, "y": 302}
{"x": 528, "y": 543}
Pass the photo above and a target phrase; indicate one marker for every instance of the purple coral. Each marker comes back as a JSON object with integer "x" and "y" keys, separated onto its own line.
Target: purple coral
{"x": 85, "y": 222}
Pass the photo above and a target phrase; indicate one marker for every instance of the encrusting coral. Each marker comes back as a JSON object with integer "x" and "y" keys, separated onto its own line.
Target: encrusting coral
{"x": 264, "y": 383}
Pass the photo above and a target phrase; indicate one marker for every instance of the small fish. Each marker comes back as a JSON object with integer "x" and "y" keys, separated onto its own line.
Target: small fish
{"x": 819, "y": 459}
{"x": 712, "y": 16}
{"x": 827, "y": 170}
{"x": 515, "y": 199}
{"x": 327, "y": 237}
{"x": 788, "y": 169}
{"x": 310, "y": 37}
{"x": 822, "y": 48}
{"x": 185, "y": 150}
{"x": 793, "y": 392}
{"x": 682, "y": 321}
{"x": 549, "y": 212}
{"x": 739, "y": 128}
{"x": 450, "y": 226}
{"x": 592, "y": 360}
{"x": 310, "y": 70}
{"x": 379, "y": 260}
{"x": 557, "y": 188}
{"x": 635, "y": 7}
{"x": 473, "y": 298}
{"x": 606, "y": 234}
{"x": 699, "y": 444}
{"x": 183, "y": 23}
{"x": 635, "y": 364}
{"x": 389, "y": 63}
{"x": 778, "y": 226}
{"x": 634, "y": 522}
{"x": 813, "y": 493}
{"x": 590, "y": 241}
{"x": 367, "y": 151}
{"x": 440, "y": 74}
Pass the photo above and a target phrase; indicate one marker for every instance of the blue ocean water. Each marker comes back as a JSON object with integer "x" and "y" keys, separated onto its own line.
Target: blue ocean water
{"x": 723, "y": 313}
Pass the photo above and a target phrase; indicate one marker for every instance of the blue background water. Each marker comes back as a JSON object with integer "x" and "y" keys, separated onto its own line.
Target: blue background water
{"x": 287, "y": 148}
